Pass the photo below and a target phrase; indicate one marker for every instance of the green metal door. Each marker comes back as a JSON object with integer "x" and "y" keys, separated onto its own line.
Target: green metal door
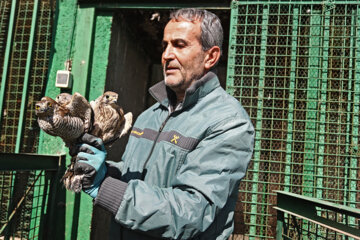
{"x": 295, "y": 68}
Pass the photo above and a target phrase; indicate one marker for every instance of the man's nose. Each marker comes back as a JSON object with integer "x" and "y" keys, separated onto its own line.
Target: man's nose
{"x": 168, "y": 53}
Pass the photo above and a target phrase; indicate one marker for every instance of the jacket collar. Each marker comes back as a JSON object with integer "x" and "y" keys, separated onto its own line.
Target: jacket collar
{"x": 200, "y": 88}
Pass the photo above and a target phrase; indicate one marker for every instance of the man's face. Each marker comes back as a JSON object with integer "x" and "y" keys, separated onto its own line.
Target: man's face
{"x": 183, "y": 57}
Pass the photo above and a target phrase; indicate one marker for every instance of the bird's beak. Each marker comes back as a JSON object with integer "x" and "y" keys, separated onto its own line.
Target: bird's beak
{"x": 113, "y": 100}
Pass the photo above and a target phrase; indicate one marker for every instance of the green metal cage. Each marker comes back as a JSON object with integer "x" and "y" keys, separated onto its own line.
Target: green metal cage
{"x": 25, "y": 43}
{"x": 30, "y": 196}
{"x": 300, "y": 217}
{"x": 295, "y": 67}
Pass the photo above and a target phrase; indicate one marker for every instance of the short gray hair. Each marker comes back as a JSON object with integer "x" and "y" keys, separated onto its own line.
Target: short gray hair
{"x": 211, "y": 29}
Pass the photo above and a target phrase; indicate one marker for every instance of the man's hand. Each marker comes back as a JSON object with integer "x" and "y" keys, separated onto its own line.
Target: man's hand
{"x": 90, "y": 161}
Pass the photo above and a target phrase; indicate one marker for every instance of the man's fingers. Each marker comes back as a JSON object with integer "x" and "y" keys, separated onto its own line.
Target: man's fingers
{"x": 81, "y": 167}
{"x": 86, "y": 149}
{"x": 92, "y": 140}
{"x": 83, "y": 156}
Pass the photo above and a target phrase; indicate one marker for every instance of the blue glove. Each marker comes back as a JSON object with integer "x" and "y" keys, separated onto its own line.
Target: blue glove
{"x": 90, "y": 161}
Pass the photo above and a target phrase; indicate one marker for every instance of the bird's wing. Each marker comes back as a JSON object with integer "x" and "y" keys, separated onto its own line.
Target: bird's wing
{"x": 127, "y": 124}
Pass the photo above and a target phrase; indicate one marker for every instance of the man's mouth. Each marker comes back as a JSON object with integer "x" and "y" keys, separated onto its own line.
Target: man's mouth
{"x": 171, "y": 69}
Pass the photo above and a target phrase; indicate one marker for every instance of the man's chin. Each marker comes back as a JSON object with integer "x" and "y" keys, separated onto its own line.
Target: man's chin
{"x": 172, "y": 82}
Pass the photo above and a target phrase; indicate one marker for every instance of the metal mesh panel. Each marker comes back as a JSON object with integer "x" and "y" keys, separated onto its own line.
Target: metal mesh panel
{"x": 294, "y": 69}
{"x": 25, "y": 221}
{"x": 16, "y": 73}
{"x": 22, "y": 213}
{"x": 303, "y": 229}
{"x": 38, "y": 74}
{"x": 4, "y": 20}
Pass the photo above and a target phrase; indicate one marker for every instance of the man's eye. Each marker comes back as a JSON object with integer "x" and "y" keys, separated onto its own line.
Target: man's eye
{"x": 180, "y": 44}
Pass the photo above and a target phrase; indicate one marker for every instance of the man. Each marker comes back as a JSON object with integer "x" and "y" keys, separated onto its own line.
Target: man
{"x": 180, "y": 173}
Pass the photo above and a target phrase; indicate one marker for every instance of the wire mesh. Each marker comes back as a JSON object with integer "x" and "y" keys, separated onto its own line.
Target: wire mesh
{"x": 23, "y": 198}
{"x": 295, "y": 72}
{"x": 16, "y": 72}
{"x": 4, "y": 20}
{"x": 25, "y": 221}
{"x": 38, "y": 74}
{"x": 297, "y": 228}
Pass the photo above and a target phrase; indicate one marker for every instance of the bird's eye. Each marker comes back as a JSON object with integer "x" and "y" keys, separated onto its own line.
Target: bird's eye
{"x": 49, "y": 104}
{"x": 107, "y": 96}
{"x": 37, "y": 107}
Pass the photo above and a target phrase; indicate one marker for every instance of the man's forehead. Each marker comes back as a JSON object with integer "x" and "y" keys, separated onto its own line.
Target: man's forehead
{"x": 182, "y": 26}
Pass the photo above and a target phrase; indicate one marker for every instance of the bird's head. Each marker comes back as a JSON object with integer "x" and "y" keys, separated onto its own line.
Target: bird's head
{"x": 63, "y": 98}
{"x": 110, "y": 97}
{"x": 45, "y": 107}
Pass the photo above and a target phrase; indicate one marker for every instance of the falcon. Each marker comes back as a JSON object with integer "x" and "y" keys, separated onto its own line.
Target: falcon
{"x": 77, "y": 106}
{"x": 110, "y": 123}
{"x": 70, "y": 116}
{"x": 55, "y": 120}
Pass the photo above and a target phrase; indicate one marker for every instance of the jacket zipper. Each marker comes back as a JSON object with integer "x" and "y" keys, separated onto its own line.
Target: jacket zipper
{"x": 153, "y": 146}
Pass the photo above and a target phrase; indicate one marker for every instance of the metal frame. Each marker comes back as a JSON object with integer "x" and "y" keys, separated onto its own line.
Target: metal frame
{"x": 50, "y": 195}
{"x": 305, "y": 208}
{"x": 310, "y": 79}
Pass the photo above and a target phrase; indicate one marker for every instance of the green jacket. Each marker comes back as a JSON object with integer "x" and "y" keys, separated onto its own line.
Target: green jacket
{"x": 181, "y": 169}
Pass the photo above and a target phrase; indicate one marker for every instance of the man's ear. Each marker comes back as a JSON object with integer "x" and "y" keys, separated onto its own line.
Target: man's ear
{"x": 212, "y": 57}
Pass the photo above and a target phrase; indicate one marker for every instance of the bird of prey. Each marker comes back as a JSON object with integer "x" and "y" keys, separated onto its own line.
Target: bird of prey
{"x": 110, "y": 123}
{"x": 63, "y": 98}
{"x": 70, "y": 116}
{"x": 55, "y": 120}
{"x": 77, "y": 106}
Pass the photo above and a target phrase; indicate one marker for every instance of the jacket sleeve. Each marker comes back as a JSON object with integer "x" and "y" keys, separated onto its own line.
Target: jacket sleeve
{"x": 209, "y": 176}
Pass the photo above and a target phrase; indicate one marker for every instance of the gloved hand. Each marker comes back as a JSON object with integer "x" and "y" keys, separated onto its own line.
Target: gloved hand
{"x": 90, "y": 161}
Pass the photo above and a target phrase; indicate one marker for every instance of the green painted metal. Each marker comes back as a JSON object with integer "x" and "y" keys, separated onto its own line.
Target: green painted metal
{"x": 62, "y": 39}
{"x": 26, "y": 79}
{"x": 348, "y": 109}
{"x": 83, "y": 45}
{"x": 258, "y": 126}
{"x": 307, "y": 208}
{"x": 322, "y": 108}
{"x": 299, "y": 2}
{"x": 43, "y": 173}
{"x": 312, "y": 102}
{"x": 355, "y": 156}
{"x": 156, "y": 5}
{"x": 36, "y": 213}
{"x": 232, "y": 47}
{"x": 308, "y": 124}
{"x": 322, "y": 104}
{"x": 84, "y": 40}
{"x": 101, "y": 46}
{"x": 25, "y": 161}
{"x": 7, "y": 57}
{"x": 290, "y": 119}
{"x": 84, "y": 37}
